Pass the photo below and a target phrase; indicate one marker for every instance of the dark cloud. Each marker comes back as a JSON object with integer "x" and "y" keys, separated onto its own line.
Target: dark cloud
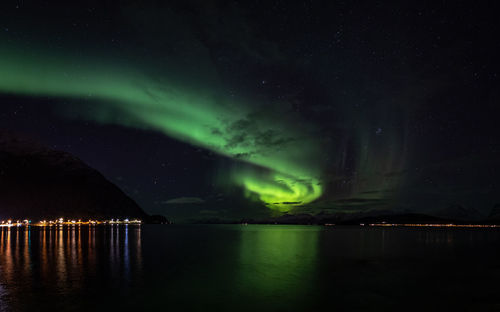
{"x": 289, "y": 203}
{"x": 272, "y": 139}
{"x": 184, "y": 200}
{"x": 358, "y": 200}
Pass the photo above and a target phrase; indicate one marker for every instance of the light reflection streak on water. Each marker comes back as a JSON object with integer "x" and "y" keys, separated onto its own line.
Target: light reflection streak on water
{"x": 27, "y": 251}
{"x": 62, "y": 258}
{"x": 5, "y": 266}
{"x": 138, "y": 247}
{"x": 126, "y": 258}
{"x": 91, "y": 250}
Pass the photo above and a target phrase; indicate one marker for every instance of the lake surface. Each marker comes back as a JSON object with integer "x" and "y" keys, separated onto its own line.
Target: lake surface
{"x": 248, "y": 268}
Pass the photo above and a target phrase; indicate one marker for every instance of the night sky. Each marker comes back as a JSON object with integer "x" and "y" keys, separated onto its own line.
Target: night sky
{"x": 256, "y": 108}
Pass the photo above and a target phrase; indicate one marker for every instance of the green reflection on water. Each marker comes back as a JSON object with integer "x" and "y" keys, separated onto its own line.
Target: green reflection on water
{"x": 278, "y": 261}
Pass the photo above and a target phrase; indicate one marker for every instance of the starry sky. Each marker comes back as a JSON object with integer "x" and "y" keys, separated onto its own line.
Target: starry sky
{"x": 228, "y": 109}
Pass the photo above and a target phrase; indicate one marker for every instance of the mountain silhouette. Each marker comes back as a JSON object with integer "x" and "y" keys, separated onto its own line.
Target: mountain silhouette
{"x": 38, "y": 183}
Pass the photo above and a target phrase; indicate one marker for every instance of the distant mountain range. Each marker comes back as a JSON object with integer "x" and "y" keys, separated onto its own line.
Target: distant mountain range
{"x": 368, "y": 218}
{"x": 37, "y": 182}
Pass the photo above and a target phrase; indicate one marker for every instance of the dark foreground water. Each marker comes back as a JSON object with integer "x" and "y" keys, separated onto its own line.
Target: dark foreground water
{"x": 249, "y": 268}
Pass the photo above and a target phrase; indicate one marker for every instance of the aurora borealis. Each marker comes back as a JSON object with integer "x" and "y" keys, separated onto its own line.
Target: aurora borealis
{"x": 190, "y": 115}
{"x": 193, "y": 108}
{"x": 249, "y": 155}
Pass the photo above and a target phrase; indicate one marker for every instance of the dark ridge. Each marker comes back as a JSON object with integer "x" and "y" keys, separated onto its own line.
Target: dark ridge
{"x": 408, "y": 218}
{"x": 37, "y": 182}
{"x": 346, "y": 219}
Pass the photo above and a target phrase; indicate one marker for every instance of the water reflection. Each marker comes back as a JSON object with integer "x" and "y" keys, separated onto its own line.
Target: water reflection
{"x": 65, "y": 259}
{"x": 246, "y": 268}
{"x": 278, "y": 262}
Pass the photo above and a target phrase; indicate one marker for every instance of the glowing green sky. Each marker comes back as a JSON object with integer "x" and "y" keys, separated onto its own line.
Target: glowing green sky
{"x": 305, "y": 108}
{"x": 284, "y": 174}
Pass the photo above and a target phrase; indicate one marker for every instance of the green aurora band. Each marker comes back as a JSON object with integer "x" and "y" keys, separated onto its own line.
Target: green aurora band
{"x": 285, "y": 172}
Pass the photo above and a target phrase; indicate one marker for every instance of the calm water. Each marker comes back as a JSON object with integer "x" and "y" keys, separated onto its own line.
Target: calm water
{"x": 249, "y": 268}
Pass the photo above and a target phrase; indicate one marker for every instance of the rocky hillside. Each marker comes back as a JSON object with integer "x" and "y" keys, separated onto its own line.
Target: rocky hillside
{"x": 36, "y": 182}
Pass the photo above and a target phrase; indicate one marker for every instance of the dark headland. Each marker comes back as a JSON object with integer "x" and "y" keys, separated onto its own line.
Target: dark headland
{"x": 40, "y": 183}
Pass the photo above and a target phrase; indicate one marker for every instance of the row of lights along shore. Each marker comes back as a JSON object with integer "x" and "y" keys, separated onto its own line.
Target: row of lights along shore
{"x": 61, "y": 221}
